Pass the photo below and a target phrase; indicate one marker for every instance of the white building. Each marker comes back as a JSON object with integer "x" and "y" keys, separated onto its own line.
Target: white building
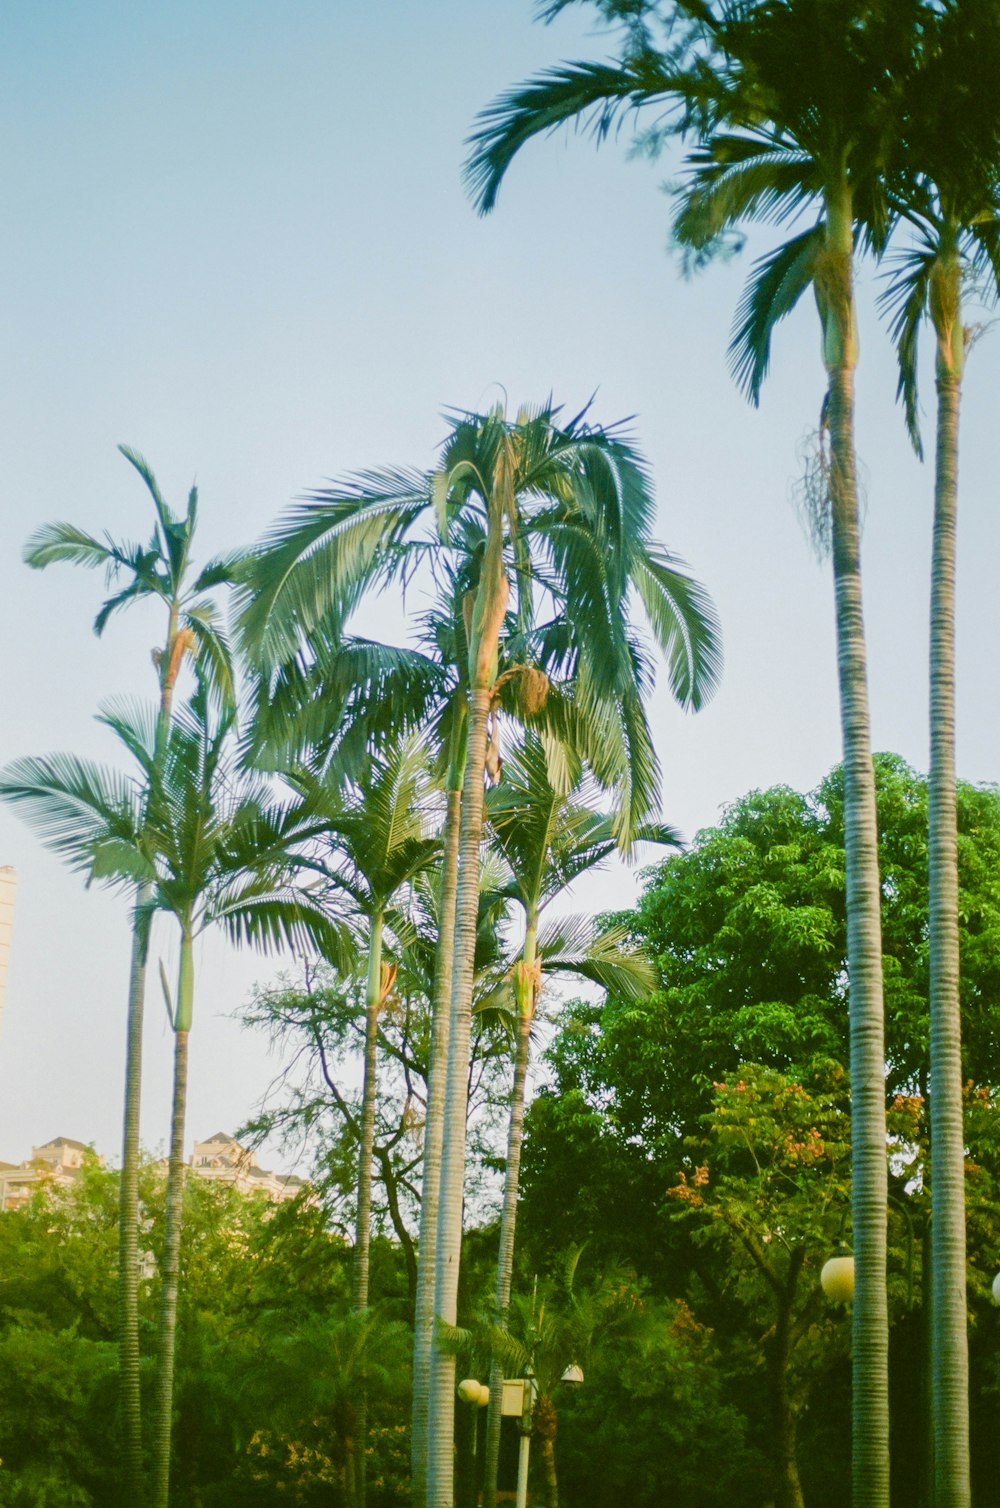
{"x": 56, "y": 1161}
{"x": 221, "y": 1159}
{"x": 8, "y": 886}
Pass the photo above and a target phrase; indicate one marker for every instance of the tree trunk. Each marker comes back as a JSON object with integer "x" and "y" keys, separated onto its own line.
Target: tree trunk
{"x": 170, "y": 1271}
{"x": 423, "y": 1325}
{"x": 362, "y": 1237}
{"x": 870, "y": 1394}
{"x": 784, "y": 1445}
{"x": 949, "y": 1343}
{"x": 129, "y": 1365}
{"x": 545, "y": 1428}
{"x": 488, "y": 615}
{"x": 373, "y": 999}
{"x": 525, "y": 994}
{"x": 129, "y": 1357}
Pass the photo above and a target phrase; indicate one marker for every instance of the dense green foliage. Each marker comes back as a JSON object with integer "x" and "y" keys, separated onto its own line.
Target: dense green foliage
{"x": 702, "y": 1132}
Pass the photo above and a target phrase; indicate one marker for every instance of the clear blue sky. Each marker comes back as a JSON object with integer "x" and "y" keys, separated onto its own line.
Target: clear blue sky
{"x": 234, "y": 237}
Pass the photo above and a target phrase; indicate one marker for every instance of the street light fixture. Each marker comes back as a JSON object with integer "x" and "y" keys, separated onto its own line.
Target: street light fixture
{"x": 837, "y": 1276}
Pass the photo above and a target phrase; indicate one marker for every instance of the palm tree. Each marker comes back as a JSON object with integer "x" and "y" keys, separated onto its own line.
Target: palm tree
{"x": 374, "y": 844}
{"x": 205, "y": 846}
{"x": 565, "y": 513}
{"x": 332, "y": 702}
{"x": 945, "y": 189}
{"x": 161, "y": 570}
{"x": 794, "y": 103}
{"x": 548, "y": 838}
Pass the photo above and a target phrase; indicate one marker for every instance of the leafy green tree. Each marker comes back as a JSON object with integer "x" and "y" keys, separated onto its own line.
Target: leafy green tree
{"x": 162, "y": 571}
{"x": 57, "y": 1344}
{"x": 770, "y": 1179}
{"x": 749, "y": 935}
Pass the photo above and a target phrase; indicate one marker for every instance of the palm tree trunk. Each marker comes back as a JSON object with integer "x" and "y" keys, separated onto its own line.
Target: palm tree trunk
{"x": 373, "y": 999}
{"x": 423, "y": 1331}
{"x": 488, "y": 615}
{"x": 130, "y": 1396}
{"x": 949, "y": 1341}
{"x": 170, "y": 1270}
{"x": 525, "y": 996}
{"x": 870, "y": 1363}
{"x": 545, "y": 1428}
{"x": 362, "y": 1238}
{"x": 129, "y": 1358}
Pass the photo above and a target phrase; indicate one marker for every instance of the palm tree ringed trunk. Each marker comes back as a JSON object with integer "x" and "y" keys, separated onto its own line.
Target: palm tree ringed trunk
{"x": 949, "y": 1341}
{"x": 525, "y": 992}
{"x": 488, "y": 614}
{"x": 170, "y": 1271}
{"x": 129, "y": 1362}
{"x": 362, "y": 1238}
{"x": 423, "y": 1331}
{"x": 870, "y": 1371}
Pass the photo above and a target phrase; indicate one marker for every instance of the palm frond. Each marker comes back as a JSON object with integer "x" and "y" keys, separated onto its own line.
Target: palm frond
{"x": 776, "y": 284}
{"x": 62, "y": 541}
{"x": 213, "y": 651}
{"x": 572, "y": 945}
{"x": 904, "y": 301}
{"x": 74, "y": 805}
{"x": 272, "y": 919}
{"x": 593, "y": 95}
{"x": 684, "y": 620}
{"x": 317, "y": 560}
{"x": 739, "y": 178}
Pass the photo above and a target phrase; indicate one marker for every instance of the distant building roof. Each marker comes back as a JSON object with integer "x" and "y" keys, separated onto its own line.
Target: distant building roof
{"x": 64, "y": 1141}
{"x": 219, "y": 1136}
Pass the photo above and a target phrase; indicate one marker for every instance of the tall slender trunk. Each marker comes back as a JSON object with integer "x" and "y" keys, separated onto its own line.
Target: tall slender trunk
{"x": 362, "y": 1237}
{"x": 423, "y": 1327}
{"x": 170, "y": 1267}
{"x": 525, "y": 991}
{"x": 545, "y": 1423}
{"x": 129, "y": 1357}
{"x": 870, "y": 1361}
{"x": 784, "y": 1431}
{"x": 949, "y": 1341}
{"x": 488, "y": 615}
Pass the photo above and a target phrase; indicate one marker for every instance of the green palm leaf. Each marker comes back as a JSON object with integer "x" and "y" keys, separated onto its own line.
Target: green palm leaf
{"x": 776, "y": 284}
{"x": 594, "y": 96}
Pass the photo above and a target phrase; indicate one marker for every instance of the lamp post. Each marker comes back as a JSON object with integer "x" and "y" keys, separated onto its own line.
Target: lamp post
{"x": 525, "y": 1425}
{"x": 477, "y": 1395}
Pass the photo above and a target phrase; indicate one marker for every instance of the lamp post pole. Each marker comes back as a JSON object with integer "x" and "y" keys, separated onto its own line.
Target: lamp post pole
{"x": 525, "y": 1426}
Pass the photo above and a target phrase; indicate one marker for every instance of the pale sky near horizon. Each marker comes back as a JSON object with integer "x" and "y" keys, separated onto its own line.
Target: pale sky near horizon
{"x": 234, "y": 237}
